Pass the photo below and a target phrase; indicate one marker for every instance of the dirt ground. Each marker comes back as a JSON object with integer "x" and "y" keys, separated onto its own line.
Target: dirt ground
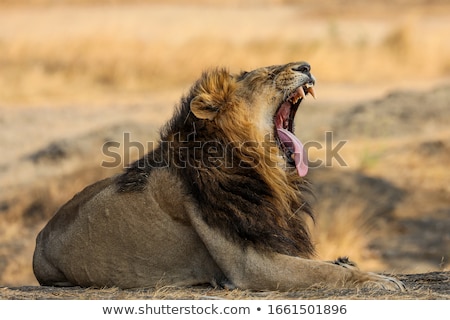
{"x": 429, "y": 286}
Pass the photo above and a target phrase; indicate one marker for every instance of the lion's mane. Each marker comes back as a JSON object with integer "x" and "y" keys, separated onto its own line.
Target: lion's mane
{"x": 242, "y": 193}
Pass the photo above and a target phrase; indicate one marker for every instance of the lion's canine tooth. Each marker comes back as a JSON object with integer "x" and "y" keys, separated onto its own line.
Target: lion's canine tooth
{"x": 302, "y": 92}
{"x": 311, "y": 91}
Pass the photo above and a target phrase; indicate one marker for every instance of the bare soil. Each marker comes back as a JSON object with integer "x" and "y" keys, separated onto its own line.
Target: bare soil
{"x": 429, "y": 286}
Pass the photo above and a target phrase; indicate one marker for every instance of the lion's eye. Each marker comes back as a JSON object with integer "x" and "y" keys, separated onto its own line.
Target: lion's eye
{"x": 243, "y": 75}
{"x": 304, "y": 68}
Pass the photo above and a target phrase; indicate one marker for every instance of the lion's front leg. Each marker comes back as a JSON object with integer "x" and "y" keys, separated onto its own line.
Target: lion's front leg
{"x": 272, "y": 271}
{"x": 248, "y": 268}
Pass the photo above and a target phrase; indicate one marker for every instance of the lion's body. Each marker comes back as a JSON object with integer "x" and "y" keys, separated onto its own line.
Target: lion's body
{"x": 98, "y": 247}
{"x": 215, "y": 202}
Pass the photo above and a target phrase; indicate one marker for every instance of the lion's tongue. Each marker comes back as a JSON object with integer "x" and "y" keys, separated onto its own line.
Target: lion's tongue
{"x": 291, "y": 141}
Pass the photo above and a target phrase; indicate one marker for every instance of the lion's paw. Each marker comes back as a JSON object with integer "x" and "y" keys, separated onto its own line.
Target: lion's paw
{"x": 383, "y": 282}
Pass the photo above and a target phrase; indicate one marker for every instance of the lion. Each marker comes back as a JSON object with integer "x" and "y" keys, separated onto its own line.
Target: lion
{"x": 222, "y": 200}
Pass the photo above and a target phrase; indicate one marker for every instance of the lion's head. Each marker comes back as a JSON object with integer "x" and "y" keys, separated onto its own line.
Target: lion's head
{"x": 252, "y": 105}
{"x": 231, "y": 140}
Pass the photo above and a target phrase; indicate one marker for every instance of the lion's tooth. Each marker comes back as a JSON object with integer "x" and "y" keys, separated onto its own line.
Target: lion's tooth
{"x": 312, "y": 92}
{"x": 302, "y": 92}
{"x": 292, "y": 98}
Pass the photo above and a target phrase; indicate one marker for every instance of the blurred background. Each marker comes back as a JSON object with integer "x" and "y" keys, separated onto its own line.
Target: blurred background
{"x": 75, "y": 74}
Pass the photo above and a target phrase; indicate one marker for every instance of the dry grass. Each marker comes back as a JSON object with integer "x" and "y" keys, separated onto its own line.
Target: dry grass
{"x": 346, "y": 231}
{"x": 431, "y": 286}
{"x": 120, "y": 53}
{"x": 103, "y": 63}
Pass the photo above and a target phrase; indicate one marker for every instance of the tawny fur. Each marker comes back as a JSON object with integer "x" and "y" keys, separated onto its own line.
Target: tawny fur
{"x": 216, "y": 202}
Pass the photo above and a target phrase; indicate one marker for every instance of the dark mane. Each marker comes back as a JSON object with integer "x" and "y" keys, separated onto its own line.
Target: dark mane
{"x": 135, "y": 177}
{"x": 233, "y": 197}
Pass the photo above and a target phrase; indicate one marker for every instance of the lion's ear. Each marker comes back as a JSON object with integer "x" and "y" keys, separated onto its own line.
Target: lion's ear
{"x": 214, "y": 91}
{"x": 202, "y": 108}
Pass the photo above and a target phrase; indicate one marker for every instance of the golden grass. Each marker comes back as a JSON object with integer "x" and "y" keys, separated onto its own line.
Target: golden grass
{"x": 346, "y": 230}
{"x": 117, "y": 62}
{"x": 105, "y": 63}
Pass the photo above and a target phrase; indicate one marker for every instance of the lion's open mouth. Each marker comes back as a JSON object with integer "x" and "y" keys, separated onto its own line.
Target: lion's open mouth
{"x": 284, "y": 128}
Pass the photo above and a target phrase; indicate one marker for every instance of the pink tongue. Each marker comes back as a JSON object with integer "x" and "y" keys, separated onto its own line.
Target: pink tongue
{"x": 290, "y": 140}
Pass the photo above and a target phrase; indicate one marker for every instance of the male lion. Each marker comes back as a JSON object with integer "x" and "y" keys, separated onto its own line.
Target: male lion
{"x": 221, "y": 200}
